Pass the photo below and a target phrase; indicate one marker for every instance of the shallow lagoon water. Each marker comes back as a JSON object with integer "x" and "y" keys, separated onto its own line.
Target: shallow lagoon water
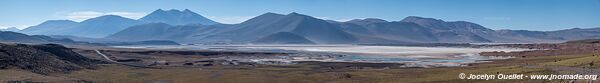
{"x": 419, "y": 56}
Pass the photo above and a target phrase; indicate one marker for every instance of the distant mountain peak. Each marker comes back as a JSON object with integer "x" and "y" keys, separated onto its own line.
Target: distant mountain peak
{"x": 174, "y": 10}
{"x": 57, "y": 21}
{"x": 294, "y": 13}
{"x": 270, "y": 14}
{"x": 366, "y": 21}
{"x": 416, "y": 19}
{"x": 177, "y": 17}
{"x": 111, "y": 17}
{"x": 116, "y": 16}
{"x": 187, "y": 10}
{"x": 179, "y": 11}
{"x": 297, "y": 14}
{"x": 106, "y": 18}
{"x": 171, "y": 11}
{"x": 158, "y": 10}
{"x": 263, "y": 17}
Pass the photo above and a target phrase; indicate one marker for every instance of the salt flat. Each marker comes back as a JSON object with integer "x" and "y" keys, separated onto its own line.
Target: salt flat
{"x": 358, "y": 53}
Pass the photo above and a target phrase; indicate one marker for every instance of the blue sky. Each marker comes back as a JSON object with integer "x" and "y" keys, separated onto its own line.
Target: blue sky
{"x": 541, "y": 15}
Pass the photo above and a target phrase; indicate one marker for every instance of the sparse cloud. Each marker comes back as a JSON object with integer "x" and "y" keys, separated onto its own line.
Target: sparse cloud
{"x": 230, "y": 19}
{"x": 83, "y": 15}
{"x": 21, "y": 27}
{"x": 3, "y": 27}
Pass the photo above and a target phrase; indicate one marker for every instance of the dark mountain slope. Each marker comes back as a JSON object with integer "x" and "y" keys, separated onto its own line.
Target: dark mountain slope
{"x": 42, "y": 59}
{"x": 160, "y": 31}
{"x": 142, "y": 32}
{"x": 7, "y": 36}
{"x": 453, "y": 32}
{"x": 317, "y": 30}
{"x": 576, "y": 33}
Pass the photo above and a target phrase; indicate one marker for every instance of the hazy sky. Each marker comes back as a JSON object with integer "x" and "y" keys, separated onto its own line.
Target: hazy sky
{"x": 496, "y": 14}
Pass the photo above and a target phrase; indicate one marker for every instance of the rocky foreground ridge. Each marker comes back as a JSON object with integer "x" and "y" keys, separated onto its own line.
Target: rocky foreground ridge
{"x": 43, "y": 59}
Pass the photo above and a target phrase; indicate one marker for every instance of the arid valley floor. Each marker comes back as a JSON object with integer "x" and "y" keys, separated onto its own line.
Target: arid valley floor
{"x": 123, "y": 65}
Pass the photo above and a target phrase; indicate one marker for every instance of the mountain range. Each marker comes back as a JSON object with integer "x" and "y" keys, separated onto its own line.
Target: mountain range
{"x": 102, "y": 26}
{"x": 294, "y": 28}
